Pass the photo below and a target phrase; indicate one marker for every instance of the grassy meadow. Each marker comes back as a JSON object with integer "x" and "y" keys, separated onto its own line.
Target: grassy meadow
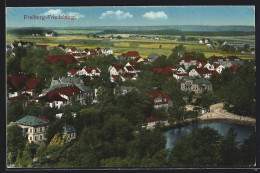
{"x": 144, "y": 46}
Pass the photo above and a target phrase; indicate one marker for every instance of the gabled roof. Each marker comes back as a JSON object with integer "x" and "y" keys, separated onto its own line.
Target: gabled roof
{"x": 200, "y": 62}
{"x": 189, "y": 58}
{"x": 17, "y": 80}
{"x": 202, "y": 70}
{"x": 73, "y": 71}
{"x": 154, "y": 95}
{"x": 31, "y": 83}
{"x": 130, "y": 74}
{"x": 22, "y": 96}
{"x": 69, "y": 129}
{"x": 115, "y": 76}
{"x": 214, "y": 72}
{"x": 235, "y": 67}
{"x": 216, "y": 65}
{"x": 129, "y": 68}
{"x": 68, "y": 59}
{"x": 154, "y": 118}
{"x": 31, "y": 121}
{"x": 131, "y": 54}
{"x": 118, "y": 67}
{"x": 89, "y": 69}
{"x": 73, "y": 49}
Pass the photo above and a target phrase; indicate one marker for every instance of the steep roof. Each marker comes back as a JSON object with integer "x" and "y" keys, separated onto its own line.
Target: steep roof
{"x": 189, "y": 58}
{"x": 73, "y": 71}
{"x": 202, "y": 70}
{"x": 31, "y": 121}
{"x": 68, "y": 59}
{"x": 89, "y": 69}
{"x": 130, "y": 74}
{"x": 131, "y": 54}
{"x": 118, "y": 67}
{"x": 154, "y": 95}
{"x": 22, "y": 96}
{"x": 31, "y": 83}
{"x": 214, "y": 72}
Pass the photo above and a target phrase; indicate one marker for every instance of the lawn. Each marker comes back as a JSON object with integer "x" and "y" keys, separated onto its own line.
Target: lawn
{"x": 144, "y": 46}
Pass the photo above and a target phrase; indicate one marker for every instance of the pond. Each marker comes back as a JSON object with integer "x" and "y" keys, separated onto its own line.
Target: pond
{"x": 243, "y": 132}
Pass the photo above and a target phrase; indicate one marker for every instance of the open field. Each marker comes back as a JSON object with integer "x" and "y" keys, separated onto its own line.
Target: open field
{"x": 144, "y": 46}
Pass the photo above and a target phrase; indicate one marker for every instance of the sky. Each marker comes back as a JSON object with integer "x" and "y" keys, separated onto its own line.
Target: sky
{"x": 130, "y": 16}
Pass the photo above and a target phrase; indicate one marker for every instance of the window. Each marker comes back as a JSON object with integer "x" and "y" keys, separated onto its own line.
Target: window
{"x": 41, "y": 137}
{"x": 35, "y": 130}
{"x": 40, "y": 129}
{"x": 30, "y": 138}
{"x": 35, "y": 138}
{"x": 30, "y": 130}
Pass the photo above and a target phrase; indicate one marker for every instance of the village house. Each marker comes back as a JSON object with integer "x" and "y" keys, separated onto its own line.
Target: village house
{"x": 72, "y": 72}
{"x": 152, "y": 58}
{"x": 67, "y": 59}
{"x": 79, "y": 55}
{"x": 115, "y": 69}
{"x": 77, "y": 93}
{"x": 179, "y": 76}
{"x": 122, "y": 90}
{"x": 201, "y": 72}
{"x": 89, "y": 71}
{"x": 218, "y": 67}
{"x": 199, "y": 86}
{"x": 161, "y": 100}
{"x": 188, "y": 61}
{"x": 92, "y": 52}
{"x": 153, "y": 120}
{"x": 70, "y": 132}
{"x": 47, "y": 47}
{"x": 132, "y": 67}
{"x": 22, "y": 84}
{"x": 107, "y": 51}
{"x": 34, "y": 128}
{"x": 131, "y": 54}
{"x": 49, "y": 35}
{"x": 113, "y": 78}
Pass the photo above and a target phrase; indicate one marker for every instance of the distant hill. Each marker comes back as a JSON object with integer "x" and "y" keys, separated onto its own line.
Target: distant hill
{"x": 30, "y": 31}
{"x": 207, "y": 28}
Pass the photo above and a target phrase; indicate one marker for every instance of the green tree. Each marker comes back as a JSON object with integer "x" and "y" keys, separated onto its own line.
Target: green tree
{"x": 200, "y": 148}
{"x": 15, "y": 141}
{"x": 15, "y": 111}
{"x": 248, "y": 151}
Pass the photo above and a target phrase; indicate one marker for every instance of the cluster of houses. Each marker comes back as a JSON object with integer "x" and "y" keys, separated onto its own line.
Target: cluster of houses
{"x": 70, "y": 89}
{"x": 34, "y": 129}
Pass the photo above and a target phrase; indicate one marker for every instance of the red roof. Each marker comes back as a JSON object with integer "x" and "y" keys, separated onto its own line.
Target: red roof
{"x": 168, "y": 70}
{"x": 68, "y": 59}
{"x": 89, "y": 69}
{"x": 42, "y": 46}
{"x": 98, "y": 48}
{"x": 215, "y": 73}
{"x": 232, "y": 58}
{"x": 216, "y": 65}
{"x": 115, "y": 76}
{"x": 202, "y": 70}
{"x": 31, "y": 83}
{"x": 182, "y": 74}
{"x": 18, "y": 80}
{"x": 22, "y": 80}
{"x": 202, "y": 63}
{"x": 158, "y": 94}
{"x": 235, "y": 67}
{"x": 130, "y": 74}
{"x": 93, "y": 52}
{"x": 129, "y": 68}
{"x": 22, "y": 96}
{"x": 44, "y": 119}
{"x": 73, "y": 71}
{"x": 189, "y": 58}
{"x": 154, "y": 118}
{"x": 73, "y": 49}
{"x": 118, "y": 67}
{"x": 131, "y": 54}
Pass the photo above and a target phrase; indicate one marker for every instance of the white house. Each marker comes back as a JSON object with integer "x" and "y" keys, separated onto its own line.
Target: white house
{"x": 89, "y": 71}
{"x": 113, "y": 78}
{"x": 204, "y": 72}
{"x": 153, "y": 120}
{"x": 49, "y": 35}
{"x": 116, "y": 69}
{"x": 188, "y": 61}
{"x": 34, "y": 128}
{"x": 161, "y": 100}
{"x": 70, "y": 132}
{"x": 106, "y": 51}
